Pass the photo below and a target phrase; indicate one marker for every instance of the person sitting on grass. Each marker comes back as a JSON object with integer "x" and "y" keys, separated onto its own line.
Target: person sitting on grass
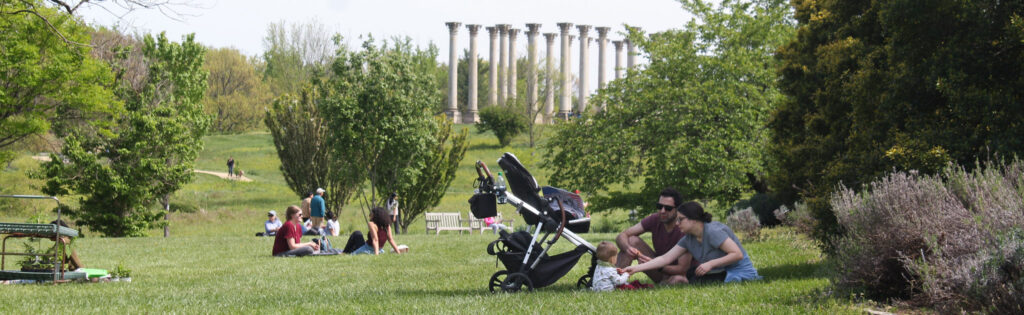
{"x": 379, "y": 230}
{"x": 272, "y": 225}
{"x": 606, "y": 276}
{"x": 286, "y": 243}
{"x": 333, "y": 227}
{"x": 714, "y": 246}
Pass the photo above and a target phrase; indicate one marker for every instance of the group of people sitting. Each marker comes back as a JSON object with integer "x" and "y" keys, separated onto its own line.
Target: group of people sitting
{"x": 288, "y": 236}
{"x": 688, "y": 248}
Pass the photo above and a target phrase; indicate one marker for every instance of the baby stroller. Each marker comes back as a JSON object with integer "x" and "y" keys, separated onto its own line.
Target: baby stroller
{"x": 557, "y": 215}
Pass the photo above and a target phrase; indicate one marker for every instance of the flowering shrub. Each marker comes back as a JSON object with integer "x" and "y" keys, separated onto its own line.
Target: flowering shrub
{"x": 746, "y": 223}
{"x": 950, "y": 240}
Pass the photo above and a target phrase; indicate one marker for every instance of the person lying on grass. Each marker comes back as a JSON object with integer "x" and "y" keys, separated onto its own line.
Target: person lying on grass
{"x": 713, "y": 245}
{"x": 379, "y": 232}
{"x": 286, "y": 242}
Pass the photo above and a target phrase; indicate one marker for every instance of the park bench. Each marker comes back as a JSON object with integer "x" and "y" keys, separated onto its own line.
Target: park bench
{"x": 445, "y": 221}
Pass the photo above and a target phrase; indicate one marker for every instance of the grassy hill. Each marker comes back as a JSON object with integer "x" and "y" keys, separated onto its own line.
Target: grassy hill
{"x": 213, "y": 264}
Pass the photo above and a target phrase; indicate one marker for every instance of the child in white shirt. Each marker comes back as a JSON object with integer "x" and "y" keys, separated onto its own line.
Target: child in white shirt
{"x": 606, "y": 276}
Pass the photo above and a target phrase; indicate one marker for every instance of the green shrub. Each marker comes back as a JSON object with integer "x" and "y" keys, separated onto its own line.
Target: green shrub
{"x": 746, "y": 223}
{"x": 949, "y": 241}
{"x": 763, "y": 205}
{"x": 505, "y": 122}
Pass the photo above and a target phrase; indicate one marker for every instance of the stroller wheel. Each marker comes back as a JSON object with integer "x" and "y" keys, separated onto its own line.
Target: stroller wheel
{"x": 516, "y": 282}
{"x": 496, "y": 280}
{"x": 584, "y": 282}
{"x": 495, "y": 247}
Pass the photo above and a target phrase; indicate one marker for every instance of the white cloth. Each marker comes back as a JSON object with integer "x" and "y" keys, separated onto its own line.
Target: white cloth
{"x": 606, "y": 278}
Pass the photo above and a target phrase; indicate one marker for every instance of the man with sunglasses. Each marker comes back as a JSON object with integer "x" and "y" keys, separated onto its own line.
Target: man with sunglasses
{"x": 665, "y": 234}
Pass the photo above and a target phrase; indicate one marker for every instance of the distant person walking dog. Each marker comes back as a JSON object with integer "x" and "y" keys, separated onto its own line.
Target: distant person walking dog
{"x": 231, "y": 166}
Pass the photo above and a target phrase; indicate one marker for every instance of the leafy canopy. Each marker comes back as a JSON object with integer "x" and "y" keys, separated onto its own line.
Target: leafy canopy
{"x": 908, "y": 85}
{"x": 693, "y": 119}
{"x": 152, "y": 151}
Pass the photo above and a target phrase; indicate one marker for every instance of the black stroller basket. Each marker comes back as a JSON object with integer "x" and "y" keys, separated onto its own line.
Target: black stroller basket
{"x": 557, "y": 215}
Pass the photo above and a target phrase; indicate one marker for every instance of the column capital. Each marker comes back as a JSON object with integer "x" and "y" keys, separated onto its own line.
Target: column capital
{"x": 550, "y": 37}
{"x": 503, "y": 28}
{"x": 473, "y": 29}
{"x": 512, "y": 32}
{"x": 492, "y": 30}
{"x": 602, "y": 31}
{"x": 564, "y": 27}
{"x": 618, "y": 44}
{"x": 453, "y": 27}
{"x": 584, "y": 29}
{"x": 532, "y": 29}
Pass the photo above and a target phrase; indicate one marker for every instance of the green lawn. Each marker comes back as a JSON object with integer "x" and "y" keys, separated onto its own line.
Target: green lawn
{"x": 212, "y": 263}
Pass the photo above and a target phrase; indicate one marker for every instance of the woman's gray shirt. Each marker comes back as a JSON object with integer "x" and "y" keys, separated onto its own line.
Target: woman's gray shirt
{"x": 709, "y": 247}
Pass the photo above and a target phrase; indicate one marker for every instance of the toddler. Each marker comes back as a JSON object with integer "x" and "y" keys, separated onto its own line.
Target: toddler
{"x": 606, "y": 276}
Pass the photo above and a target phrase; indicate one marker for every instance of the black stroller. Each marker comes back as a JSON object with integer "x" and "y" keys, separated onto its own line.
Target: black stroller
{"x": 525, "y": 255}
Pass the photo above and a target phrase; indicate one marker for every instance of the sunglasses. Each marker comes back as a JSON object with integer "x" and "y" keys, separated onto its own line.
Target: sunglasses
{"x": 659, "y": 206}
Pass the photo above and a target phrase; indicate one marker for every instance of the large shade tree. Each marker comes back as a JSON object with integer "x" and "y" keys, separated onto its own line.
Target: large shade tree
{"x": 693, "y": 119}
{"x": 121, "y": 176}
{"x": 882, "y": 85}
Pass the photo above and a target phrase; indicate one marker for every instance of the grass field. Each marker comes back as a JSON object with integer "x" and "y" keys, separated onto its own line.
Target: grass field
{"x": 213, "y": 264}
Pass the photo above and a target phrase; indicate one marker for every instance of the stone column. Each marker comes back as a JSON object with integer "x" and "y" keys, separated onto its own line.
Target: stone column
{"x": 630, "y": 59}
{"x": 453, "y": 77}
{"x": 531, "y": 72}
{"x": 513, "y": 65}
{"x": 618, "y": 59}
{"x": 549, "y": 94}
{"x": 471, "y": 116}
{"x": 602, "y": 43}
{"x": 503, "y": 64}
{"x": 564, "y": 106}
{"x": 584, "y": 72}
{"x": 492, "y": 97}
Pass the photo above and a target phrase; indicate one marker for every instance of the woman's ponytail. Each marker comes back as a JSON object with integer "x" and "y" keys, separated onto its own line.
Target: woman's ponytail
{"x": 693, "y": 211}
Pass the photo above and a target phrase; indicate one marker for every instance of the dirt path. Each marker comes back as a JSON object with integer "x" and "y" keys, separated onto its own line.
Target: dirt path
{"x": 46, "y": 158}
{"x": 224, "y": 175}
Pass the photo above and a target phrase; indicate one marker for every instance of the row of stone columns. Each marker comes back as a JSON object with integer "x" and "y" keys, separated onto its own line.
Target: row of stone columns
{"x": 503, "y": 68}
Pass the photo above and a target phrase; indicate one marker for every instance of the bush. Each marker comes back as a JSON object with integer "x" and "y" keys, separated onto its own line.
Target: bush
{"x": 746, "y": 223}
{"x": 950, "y": 240}
{"x": 799, "y": 218}
{"x": 763, "y": 206}
{"x": 505, "y": 122}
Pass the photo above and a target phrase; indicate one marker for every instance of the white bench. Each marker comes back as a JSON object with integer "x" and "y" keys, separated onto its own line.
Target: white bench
{"x": 445, "y": 221}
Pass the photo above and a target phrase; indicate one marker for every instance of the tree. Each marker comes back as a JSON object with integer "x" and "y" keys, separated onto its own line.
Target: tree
{"x": 505, "y": 121}
{"x": 693, "y": 119}
{"x": 436, "y": 173}
{"x": 151, "y": 153}
{"x": 237, "y": 96}
{"x": 302, "y": 140}
{"x": 294, "y": 54}
{"x": 48, "y": 84}
{"x": 905, "y": 85}
{"x": 379, "y": 104}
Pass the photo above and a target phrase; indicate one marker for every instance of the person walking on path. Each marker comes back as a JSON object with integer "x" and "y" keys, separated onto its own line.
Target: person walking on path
{"x": 317, "y": 209}
{"x": 392, "y": 206}
{"x": 231, "y": 166}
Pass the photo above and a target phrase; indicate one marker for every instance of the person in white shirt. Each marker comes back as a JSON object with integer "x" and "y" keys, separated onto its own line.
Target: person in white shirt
{"x": 333, "y": 227}
{"x": 272, "y": 225}
{"x": 606, "y": 275}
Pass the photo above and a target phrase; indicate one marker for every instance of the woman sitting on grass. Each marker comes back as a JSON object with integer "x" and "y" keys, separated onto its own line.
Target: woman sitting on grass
{"x": 712, "y": 244}
{"x": 286, "y": 243}
{"x": 379, "y": 232}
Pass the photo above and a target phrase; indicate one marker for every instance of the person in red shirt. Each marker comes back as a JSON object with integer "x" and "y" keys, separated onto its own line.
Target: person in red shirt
{"x": 665, "y": 233}
{"x": 286, "y": 243}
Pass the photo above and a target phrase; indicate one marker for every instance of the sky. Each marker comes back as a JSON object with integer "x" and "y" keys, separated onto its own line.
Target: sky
{"x": 242, "y": 24}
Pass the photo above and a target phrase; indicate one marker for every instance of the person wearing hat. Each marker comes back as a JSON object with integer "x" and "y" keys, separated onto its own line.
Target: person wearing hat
{"x": 272, "y": 225}
{"x": 317, "y": 209}
{"x": 392, "y": 206}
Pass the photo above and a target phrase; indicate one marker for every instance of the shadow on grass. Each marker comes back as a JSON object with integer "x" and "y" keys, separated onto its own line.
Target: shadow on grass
{"x": 792, "y": 271}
